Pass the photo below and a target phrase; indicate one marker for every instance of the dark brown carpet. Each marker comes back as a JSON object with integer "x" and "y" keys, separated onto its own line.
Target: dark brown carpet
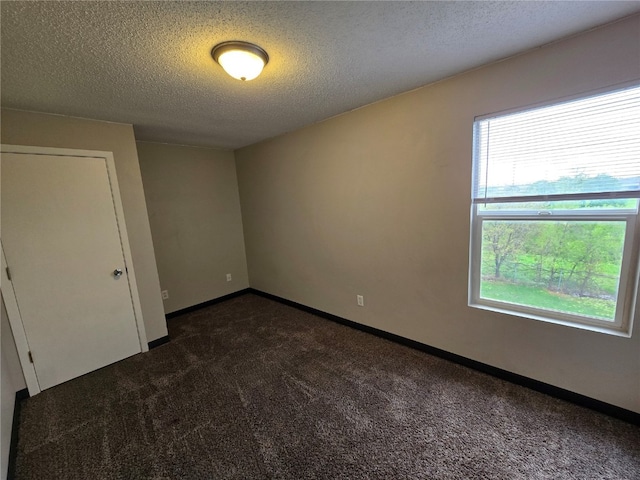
{"x": 253, "y": 389}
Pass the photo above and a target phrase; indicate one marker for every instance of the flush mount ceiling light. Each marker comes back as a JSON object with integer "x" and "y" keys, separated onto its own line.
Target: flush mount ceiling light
{"x": 241, "y": 60}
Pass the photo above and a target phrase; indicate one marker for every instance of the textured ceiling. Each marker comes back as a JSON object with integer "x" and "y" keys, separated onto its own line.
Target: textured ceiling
{"x": 148, "y": 63}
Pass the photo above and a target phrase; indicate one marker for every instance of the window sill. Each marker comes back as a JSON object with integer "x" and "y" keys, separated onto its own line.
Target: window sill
{"x": 624, "y": 332}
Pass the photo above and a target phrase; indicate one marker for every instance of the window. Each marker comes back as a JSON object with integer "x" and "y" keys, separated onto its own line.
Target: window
{"x": 555, "y": 231}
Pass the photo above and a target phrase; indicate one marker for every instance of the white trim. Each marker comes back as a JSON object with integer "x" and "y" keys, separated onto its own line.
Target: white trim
{"x": 561, "y": 215}
{"x": 17, "y": 328}
{"x": 500, "y": 308}
{"x": 560, "y": 197}
{"x": 13, "y": 311}
{"x": 558, "y": 214}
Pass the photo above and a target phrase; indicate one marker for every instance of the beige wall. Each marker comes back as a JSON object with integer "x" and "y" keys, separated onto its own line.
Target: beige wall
{"x": 37, "y": 129}
{"x": 194, "y": 210}
{"x": 376, "y": 202}
{"x": 12, "y": 381}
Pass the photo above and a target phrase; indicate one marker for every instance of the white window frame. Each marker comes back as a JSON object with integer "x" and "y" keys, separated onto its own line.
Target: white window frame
{"x": 629, "y": 283}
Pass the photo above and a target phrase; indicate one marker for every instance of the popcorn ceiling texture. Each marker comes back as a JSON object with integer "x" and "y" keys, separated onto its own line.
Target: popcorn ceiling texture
{"x": 148, "y": 63}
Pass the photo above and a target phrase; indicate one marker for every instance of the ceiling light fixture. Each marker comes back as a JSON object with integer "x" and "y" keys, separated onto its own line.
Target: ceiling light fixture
{"x": 241, "y": 60}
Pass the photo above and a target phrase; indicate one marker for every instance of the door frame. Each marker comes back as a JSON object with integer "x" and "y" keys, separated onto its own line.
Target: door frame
{"x": 8, "y": 293}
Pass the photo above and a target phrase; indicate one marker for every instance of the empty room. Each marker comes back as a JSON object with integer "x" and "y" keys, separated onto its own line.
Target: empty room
{"x": 320, "y": 240}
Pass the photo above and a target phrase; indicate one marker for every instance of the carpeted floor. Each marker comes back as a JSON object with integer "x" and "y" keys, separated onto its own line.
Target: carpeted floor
{"x": 252, "y": 389}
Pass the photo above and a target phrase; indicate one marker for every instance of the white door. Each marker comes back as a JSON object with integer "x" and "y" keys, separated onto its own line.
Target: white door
{"x": 62, "y": 243}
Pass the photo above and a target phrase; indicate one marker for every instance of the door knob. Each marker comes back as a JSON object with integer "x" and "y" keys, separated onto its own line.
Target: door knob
{"x": 117, "y": 272}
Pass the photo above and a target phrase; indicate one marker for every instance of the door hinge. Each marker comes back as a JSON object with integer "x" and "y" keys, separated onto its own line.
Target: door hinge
{"x": 8, "y": 273}
{"x": 30, "y": 357}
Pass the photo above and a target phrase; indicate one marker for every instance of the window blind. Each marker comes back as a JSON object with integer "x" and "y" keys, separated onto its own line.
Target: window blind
{"x": 581, "y": 149}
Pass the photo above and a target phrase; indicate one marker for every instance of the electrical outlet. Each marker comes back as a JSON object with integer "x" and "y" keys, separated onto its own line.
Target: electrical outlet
{"x": 360, "y": 300}
{"x": 228, "y": 277}
{"x": 165, "y": 294}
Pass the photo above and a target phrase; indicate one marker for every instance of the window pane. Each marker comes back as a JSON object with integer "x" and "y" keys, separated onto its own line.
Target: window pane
{"x": 562, "y": 266}
{"x": 584, "y": 146}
